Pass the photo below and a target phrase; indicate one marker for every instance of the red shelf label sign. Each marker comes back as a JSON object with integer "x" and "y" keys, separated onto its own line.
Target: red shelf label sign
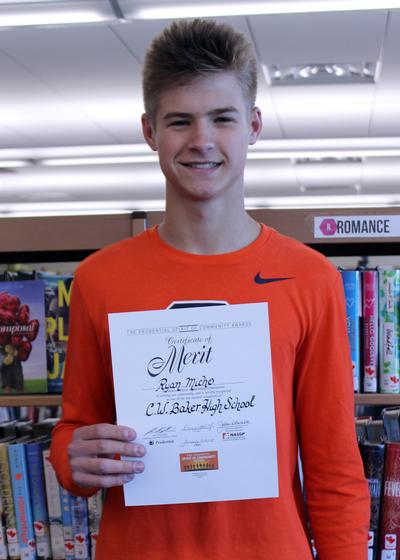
{"x": 334, "y": 227}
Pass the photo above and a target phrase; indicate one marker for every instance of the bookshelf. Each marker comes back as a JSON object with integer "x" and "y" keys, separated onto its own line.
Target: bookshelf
{"x": 71, "y": 238}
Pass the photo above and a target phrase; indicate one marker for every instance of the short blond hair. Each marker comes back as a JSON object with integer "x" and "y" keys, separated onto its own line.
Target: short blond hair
{"x": 189, "y": 49}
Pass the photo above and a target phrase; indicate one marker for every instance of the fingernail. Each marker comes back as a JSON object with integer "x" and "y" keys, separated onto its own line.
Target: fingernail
{"x": 139, "y": 467}
{"x": 129, "y": 434}
{"x": 139, "y": 450}
{"x": 128, "y": 477}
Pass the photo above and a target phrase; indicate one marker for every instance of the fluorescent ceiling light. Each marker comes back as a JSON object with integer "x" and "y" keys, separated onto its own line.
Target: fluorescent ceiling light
{"x": 112, "y": 160}
{"x": 33, "y": 14}
{"x": 334, "y": 154}
{"x": 326, "y": 201}
{"x": 186, "y": 10}
{"x": 6, "y": 164}
{"x": 78, "y": 208}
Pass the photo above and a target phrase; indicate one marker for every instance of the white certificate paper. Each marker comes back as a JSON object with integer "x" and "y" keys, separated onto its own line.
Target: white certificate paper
{"x": 196, "y": 385}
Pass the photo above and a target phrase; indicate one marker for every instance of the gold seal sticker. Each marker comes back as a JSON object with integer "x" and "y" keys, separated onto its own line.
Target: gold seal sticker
{"x": 199, "y": 461}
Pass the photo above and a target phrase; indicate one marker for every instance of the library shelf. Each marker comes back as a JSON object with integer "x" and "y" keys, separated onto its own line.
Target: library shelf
{"x": 377, "y": 399}
{"x": 30, "y": 400}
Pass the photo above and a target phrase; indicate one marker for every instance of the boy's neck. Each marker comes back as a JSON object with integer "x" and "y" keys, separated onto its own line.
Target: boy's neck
{"x": 207, "y": 227}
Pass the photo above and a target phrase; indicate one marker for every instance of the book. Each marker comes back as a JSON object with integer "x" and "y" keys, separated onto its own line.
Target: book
{"x": 352, "y": 289}
{"x": 57, "y": 299}
{"x": 389, "y": 331}
{"x": 391, "y": 424}
{"x": 95, "y": 508}
{"x": 373, "y": 456}
{"x": 53, "y": 507}
{"x": 66, "y": 514}
{"x": 10, "y": 521}
{"x": 22, "y": 337}
{"x": 3, "y": 541}
{"x": 80, "y": 527}
{"x": 34, "y": 459}
{"x": 370, "y": 314}
{"x": 22, "y": 503}
{"x": 389, "y": 540}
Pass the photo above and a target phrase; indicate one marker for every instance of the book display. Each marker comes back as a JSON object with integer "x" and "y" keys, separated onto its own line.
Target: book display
{"x": 68, "y": 527}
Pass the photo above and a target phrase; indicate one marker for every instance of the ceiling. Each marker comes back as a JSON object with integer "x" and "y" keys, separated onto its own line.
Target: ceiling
{"x": 75, "y": 90}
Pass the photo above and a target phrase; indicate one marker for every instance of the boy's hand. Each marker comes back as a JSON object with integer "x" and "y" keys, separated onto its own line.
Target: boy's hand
{"x": 92, "y": 455}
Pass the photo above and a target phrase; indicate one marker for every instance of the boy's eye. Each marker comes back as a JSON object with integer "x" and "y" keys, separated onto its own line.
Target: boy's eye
{"x": 179, "y": 123}
{"x": 223, "y": 119}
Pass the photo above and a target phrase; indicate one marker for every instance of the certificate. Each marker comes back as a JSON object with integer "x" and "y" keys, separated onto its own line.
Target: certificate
{"x": 196, "y": 385}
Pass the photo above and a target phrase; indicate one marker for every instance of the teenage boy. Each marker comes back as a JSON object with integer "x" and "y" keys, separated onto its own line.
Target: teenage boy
{"x": 199, "y": 92}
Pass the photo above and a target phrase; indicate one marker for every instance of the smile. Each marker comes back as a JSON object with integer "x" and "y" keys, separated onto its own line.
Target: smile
{"x": 202, "y": 165}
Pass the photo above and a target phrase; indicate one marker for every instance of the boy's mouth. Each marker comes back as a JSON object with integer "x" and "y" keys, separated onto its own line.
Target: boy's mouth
{"x": 202, "y": 164}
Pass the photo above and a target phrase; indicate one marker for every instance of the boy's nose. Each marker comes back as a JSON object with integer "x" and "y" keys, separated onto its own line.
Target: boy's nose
{"x": 201, "y": 138}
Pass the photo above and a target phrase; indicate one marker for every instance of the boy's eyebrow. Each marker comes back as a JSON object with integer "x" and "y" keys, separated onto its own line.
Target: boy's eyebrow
{"x": 181, "y": 115}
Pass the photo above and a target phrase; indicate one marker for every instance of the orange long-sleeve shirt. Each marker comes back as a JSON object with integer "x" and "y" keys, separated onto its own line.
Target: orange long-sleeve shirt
{"x": 313, "y": 393}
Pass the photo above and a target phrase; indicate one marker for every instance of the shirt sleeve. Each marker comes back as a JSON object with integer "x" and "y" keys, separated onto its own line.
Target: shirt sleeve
{"x": 337, "y": 491}
{"x": 87, "y": 388}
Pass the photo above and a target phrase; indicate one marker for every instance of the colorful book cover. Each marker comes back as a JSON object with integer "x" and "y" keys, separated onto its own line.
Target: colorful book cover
{"x": 370, "y": 330}
{"x": 41, "y": 529}
{"x": 3, "y": 541}
{"x": 22, "y": 502}
{"x": 389, "y": 331}
{"x": 66, "y": 512}
{"x": 57, "y": 298}
{"x": 80, "y": 527}
{"x": 352, "y": 289}
{"x": 389, "y": 545}
{"x": 22, "y": 337}
{"x": 10, "y": 520}
{"x": 53, "y": 508}
{"x": 95, "y": 508}
{"x": 373, "y": 456}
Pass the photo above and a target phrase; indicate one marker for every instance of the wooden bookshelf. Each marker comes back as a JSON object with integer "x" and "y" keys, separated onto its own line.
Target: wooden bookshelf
{"x": 30, "y": 400}
{"x": 377, "y": 399}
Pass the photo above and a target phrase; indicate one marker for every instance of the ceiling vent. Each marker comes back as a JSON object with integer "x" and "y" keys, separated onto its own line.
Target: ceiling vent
{"x": 326, "y": 73}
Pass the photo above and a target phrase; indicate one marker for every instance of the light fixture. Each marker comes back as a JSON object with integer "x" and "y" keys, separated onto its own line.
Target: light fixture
{"x": 54, "y": 13}
{"x": 179, "y": 10}
{"x": 112, "y": 160}
{"x": 11, "y": 164}
{"x": 318, "y": 73}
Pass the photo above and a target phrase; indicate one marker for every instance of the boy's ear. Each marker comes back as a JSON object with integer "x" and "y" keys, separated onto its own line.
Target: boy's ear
{"x": 255, "y": 125}
{"x": 148, "y": 132}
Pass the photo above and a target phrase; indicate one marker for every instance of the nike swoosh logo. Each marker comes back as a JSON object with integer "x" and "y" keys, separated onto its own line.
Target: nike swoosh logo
{"x": 259, "y": 280}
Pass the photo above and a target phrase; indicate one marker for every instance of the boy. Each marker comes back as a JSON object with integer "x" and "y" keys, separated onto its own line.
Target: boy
{"x": 199, "y": 91}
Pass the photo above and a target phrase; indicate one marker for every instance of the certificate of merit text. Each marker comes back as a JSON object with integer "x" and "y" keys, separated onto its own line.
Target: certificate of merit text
{"x": 196, "y": 384}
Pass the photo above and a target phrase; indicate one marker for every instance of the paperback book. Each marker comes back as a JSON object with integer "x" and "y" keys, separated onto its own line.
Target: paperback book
{"x": 389, "y": 301}
{"x": 370, "y": 331}
{"x": 57, "y": 299}
{"x": 352, "y": 288}
{"x": 22, "y": 337}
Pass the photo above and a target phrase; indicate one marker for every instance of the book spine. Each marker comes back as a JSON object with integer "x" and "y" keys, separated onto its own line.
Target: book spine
{"x": 95, "y": 506}
{"x": 389, "y": 546}
{"x": 66, "y": 507}
{"x": 57, "y": 300}
{"x": 373, "y": 456}
{"x": 22, "y": 504}
{"x": 8, "y": 505}
{"x": 370, "y": 331}
{"x": 80, "y": 527}
{"x": 38, "y": 498}
{"x": 53, "y": 508}
{"x": 389, "y": 366}
{"x": 352, "y": 290}
{"x": 3, "y": 545}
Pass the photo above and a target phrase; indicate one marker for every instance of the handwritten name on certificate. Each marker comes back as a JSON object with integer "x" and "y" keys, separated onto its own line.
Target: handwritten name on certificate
{"x": 196, "y": 384}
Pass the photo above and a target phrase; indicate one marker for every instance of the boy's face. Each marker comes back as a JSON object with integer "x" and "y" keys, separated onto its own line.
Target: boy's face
{"x": 201, "y": 132}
